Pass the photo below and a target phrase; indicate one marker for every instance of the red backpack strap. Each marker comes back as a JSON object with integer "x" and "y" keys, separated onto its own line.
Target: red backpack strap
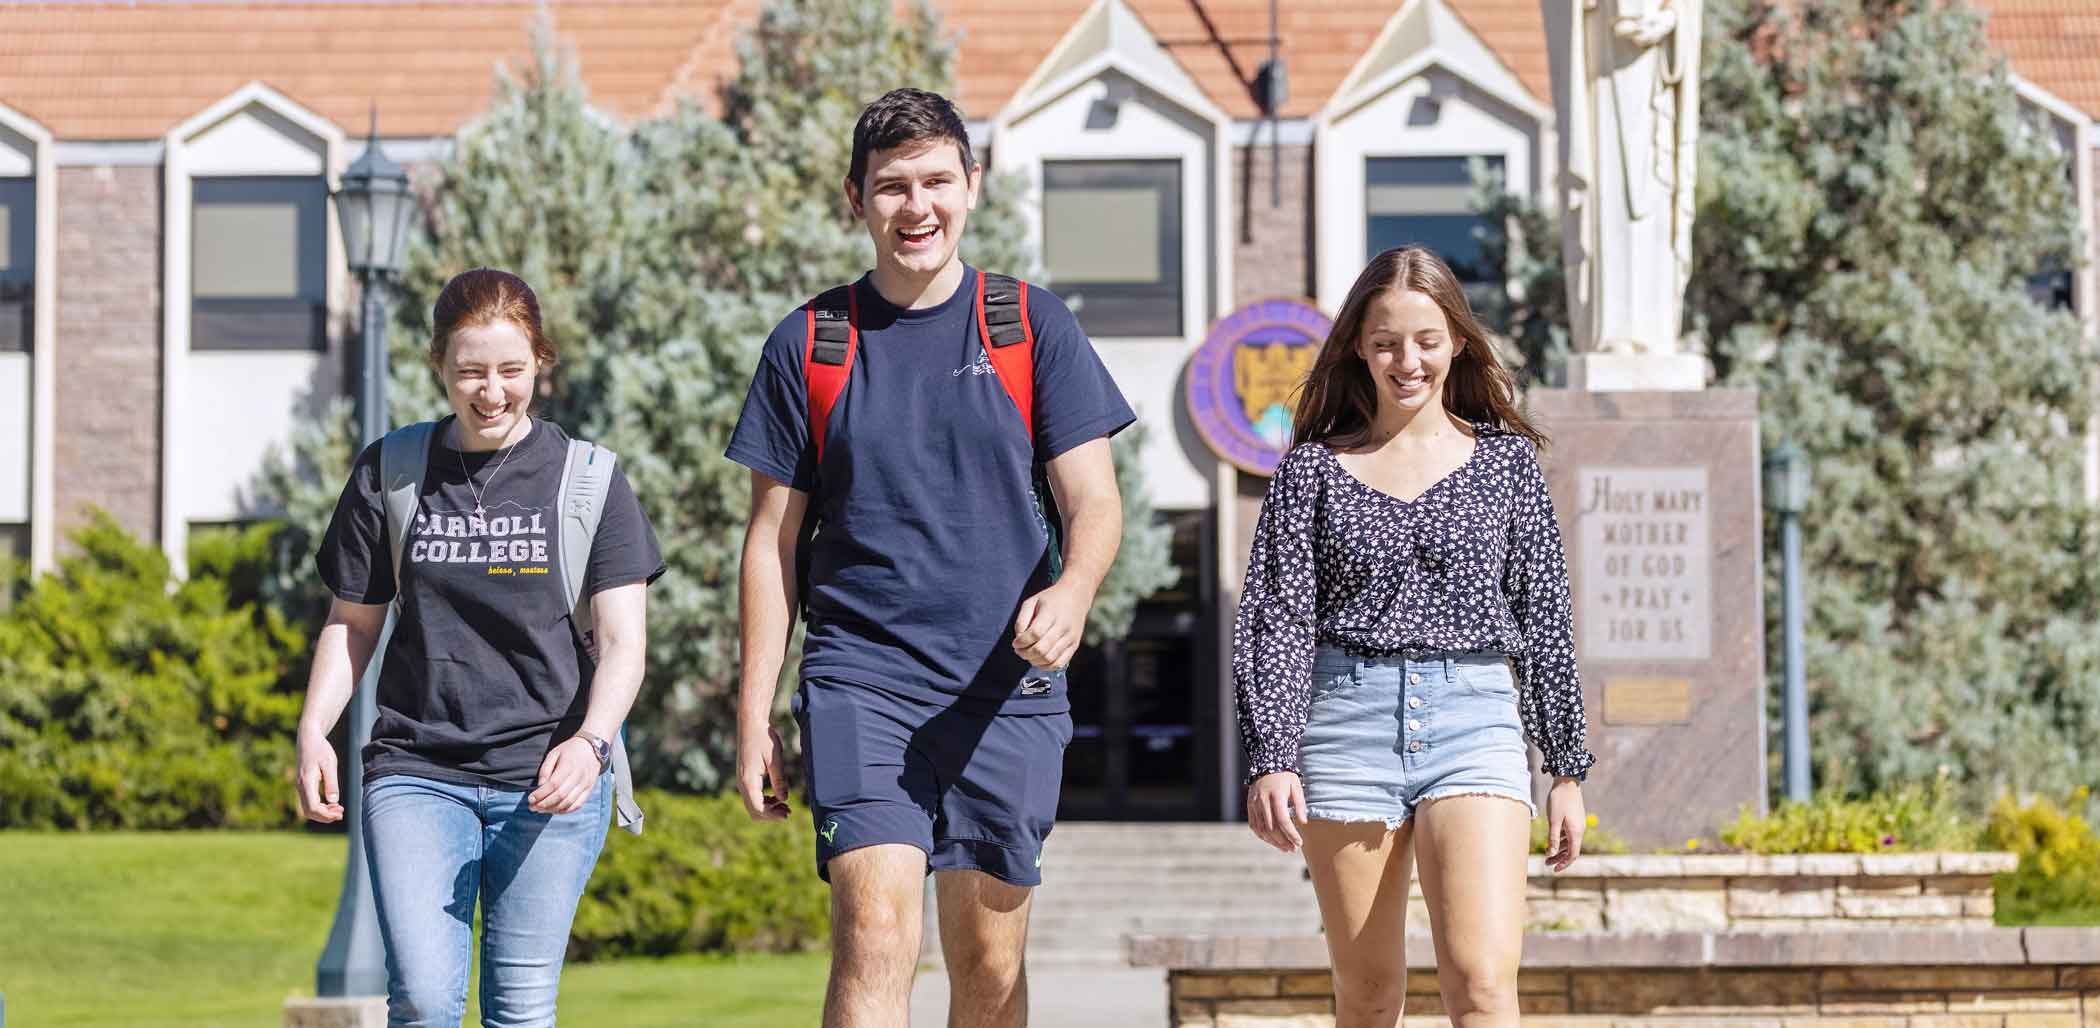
{"x": 1009, "y": 341}
{"x": 827, "y": 355}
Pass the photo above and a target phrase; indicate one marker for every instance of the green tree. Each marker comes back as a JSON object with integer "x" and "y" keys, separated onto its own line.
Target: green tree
{"x": 663, "y": 254}
{"x": 1145, "y": 562}
{"x": 1530, "y": 312}
{"x": 1872, "y": 204}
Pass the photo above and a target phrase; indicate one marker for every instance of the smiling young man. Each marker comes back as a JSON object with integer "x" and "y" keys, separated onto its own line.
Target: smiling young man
{"x": 902, "y": 433}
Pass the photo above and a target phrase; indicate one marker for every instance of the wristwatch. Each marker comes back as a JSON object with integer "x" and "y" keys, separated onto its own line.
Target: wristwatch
{"x": 600, "y": 747}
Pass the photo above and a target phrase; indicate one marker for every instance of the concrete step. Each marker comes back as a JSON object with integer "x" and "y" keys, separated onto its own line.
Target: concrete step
{"x": 1212, "y": 882}
{"x": 1150, "y": 838}
{"x": 1105, "y": 881}
{"x": 1170, "y": 896}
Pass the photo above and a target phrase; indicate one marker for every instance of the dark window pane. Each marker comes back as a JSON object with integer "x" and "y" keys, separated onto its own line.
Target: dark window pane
{"x": 2051, "y": 289}
{"x": 17, "y": 229}
{"x": 17, "y": 262}
{"x": 17, "y": 334}
{"x": 258, "y": 275}
{"x": 258, "y": 325}
{"x": 1428, "y": 201}
{"x": 1112, "y": 242}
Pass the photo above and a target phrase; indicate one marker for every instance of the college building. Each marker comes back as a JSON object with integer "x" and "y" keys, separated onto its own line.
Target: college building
{"x": 173, "y": 295}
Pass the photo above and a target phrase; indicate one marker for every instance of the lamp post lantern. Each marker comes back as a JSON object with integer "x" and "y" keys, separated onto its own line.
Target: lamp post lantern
{"x": 1787, "y": 484}
{"x": 373, "y": 206}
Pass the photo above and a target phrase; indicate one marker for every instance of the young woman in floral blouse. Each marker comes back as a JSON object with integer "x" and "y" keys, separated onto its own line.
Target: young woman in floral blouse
{"x": 1403, "y": 633}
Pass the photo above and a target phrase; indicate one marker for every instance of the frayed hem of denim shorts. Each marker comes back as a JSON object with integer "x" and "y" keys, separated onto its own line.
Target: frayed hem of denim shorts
{"x": 1457, "y": 793}
{"x": 1320, "y": 814}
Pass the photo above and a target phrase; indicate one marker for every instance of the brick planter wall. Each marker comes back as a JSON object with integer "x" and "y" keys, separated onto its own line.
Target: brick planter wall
{"x": 1895, "y": 978}
{"x": 1751, "y": 893}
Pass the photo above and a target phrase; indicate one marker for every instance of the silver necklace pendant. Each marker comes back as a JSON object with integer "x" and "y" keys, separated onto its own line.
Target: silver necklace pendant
{"x": 482, "y": 490}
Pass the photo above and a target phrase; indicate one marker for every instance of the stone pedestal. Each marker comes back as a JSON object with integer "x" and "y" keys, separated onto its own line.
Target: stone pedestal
{"x": 1636, "y": 372}
{"x": 335, "y": 1012}
{"x": 1658, "y": 499}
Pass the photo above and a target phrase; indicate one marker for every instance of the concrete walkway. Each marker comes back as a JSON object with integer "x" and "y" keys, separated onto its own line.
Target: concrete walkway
{"x": 1064, "y": 997}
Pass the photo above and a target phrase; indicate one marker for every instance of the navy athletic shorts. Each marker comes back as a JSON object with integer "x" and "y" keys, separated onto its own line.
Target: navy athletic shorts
{"x": 974, "y": 790}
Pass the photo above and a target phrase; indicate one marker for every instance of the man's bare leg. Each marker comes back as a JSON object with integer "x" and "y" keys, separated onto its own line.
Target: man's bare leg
{"x": 876, "y": 896}
{"x": 984, "y": 938}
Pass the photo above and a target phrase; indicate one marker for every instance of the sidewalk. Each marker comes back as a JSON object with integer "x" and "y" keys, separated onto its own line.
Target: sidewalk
{"x": 1065, "y": 997}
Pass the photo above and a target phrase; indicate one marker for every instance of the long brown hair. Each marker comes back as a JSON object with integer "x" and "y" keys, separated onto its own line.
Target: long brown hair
{"x": 1338, "y": 401}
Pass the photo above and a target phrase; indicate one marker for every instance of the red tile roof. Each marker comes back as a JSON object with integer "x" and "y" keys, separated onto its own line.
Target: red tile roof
{"x": 132, "y": 71}
{"x": 1004, "y": 41}
{"x": 2053, "y": 43}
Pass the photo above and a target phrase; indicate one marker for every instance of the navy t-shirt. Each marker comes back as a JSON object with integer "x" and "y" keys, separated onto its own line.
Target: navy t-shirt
{"x": 929, "y": 531}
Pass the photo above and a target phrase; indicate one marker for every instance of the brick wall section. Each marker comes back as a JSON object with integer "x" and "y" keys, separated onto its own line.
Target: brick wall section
{"x": 109, "y": 363}
{"x": 1752, "y": 893}
{"x": 2065, "y": 996}
{"x": 1271, "y": 245}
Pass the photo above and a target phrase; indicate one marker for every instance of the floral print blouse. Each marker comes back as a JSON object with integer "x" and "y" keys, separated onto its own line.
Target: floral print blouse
{"x": 1474, "y": 564}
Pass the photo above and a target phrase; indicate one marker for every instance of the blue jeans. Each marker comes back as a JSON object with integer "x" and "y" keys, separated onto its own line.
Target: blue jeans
{"x": 434, "y": 848}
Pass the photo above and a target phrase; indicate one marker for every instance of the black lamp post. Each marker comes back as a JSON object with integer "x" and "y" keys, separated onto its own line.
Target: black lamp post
{"x": 1787, "y": 489}
{"x": 373, "y": 206}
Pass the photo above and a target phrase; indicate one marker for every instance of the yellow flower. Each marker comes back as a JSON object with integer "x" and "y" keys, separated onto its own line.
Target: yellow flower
{"x": 1691, "y": 844}
{"x": 1590, "y": 821}
{"x": 2081, "y": 792}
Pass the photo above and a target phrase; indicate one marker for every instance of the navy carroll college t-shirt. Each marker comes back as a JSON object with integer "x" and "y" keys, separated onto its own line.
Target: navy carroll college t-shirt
{"x": 484, "y": 672}
{"x": 929, "y": 533}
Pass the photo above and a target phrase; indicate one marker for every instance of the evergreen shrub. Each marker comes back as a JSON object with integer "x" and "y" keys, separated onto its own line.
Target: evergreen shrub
{"x": 129, "y": 699}
{"x": 704, "y": 877}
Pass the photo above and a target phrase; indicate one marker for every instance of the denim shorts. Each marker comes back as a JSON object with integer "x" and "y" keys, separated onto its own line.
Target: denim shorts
{"x": 1384, "y": 735}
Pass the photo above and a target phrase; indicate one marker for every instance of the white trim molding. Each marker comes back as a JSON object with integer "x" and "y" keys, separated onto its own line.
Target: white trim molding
{"x": 255, "y": 130}
{"x": 43, "y": 358}
{"x": 1108, "y": 91}
{"x": 2085, "y": 280}
{"x": 1428, "y": 87}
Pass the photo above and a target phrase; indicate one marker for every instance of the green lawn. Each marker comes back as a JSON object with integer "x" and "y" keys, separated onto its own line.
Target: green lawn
{"x": 217, "y": 928}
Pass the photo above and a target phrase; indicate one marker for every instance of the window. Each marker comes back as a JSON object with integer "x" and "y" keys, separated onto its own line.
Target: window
{"x": 1428, "y": 201}
{"x": 258, "y": 249}
{"x": 2051, "y": 289}
{"x": 17, "y": 263}
{"x": 1112, "y": 240}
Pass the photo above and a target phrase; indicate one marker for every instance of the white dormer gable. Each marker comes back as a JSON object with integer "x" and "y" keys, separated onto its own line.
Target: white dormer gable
{"x": 1428, "y": 88}
{"x": 1427, "y": 34}
{"x": 1109, "y": 94}
{"x": 1109, "y": 36}
{"x": 223, "y": 410}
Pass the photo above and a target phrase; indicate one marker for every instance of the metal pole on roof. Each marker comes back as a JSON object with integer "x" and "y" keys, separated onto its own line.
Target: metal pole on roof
{"x": 1275, "y": 100}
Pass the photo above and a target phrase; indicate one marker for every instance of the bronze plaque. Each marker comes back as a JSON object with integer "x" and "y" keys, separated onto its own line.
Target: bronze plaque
{"x": 1647, "y": 701}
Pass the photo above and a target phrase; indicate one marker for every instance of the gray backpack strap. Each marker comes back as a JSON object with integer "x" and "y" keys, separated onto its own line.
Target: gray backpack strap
{"x": 586, "y": 478}
{"x": 404, "y": 453}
